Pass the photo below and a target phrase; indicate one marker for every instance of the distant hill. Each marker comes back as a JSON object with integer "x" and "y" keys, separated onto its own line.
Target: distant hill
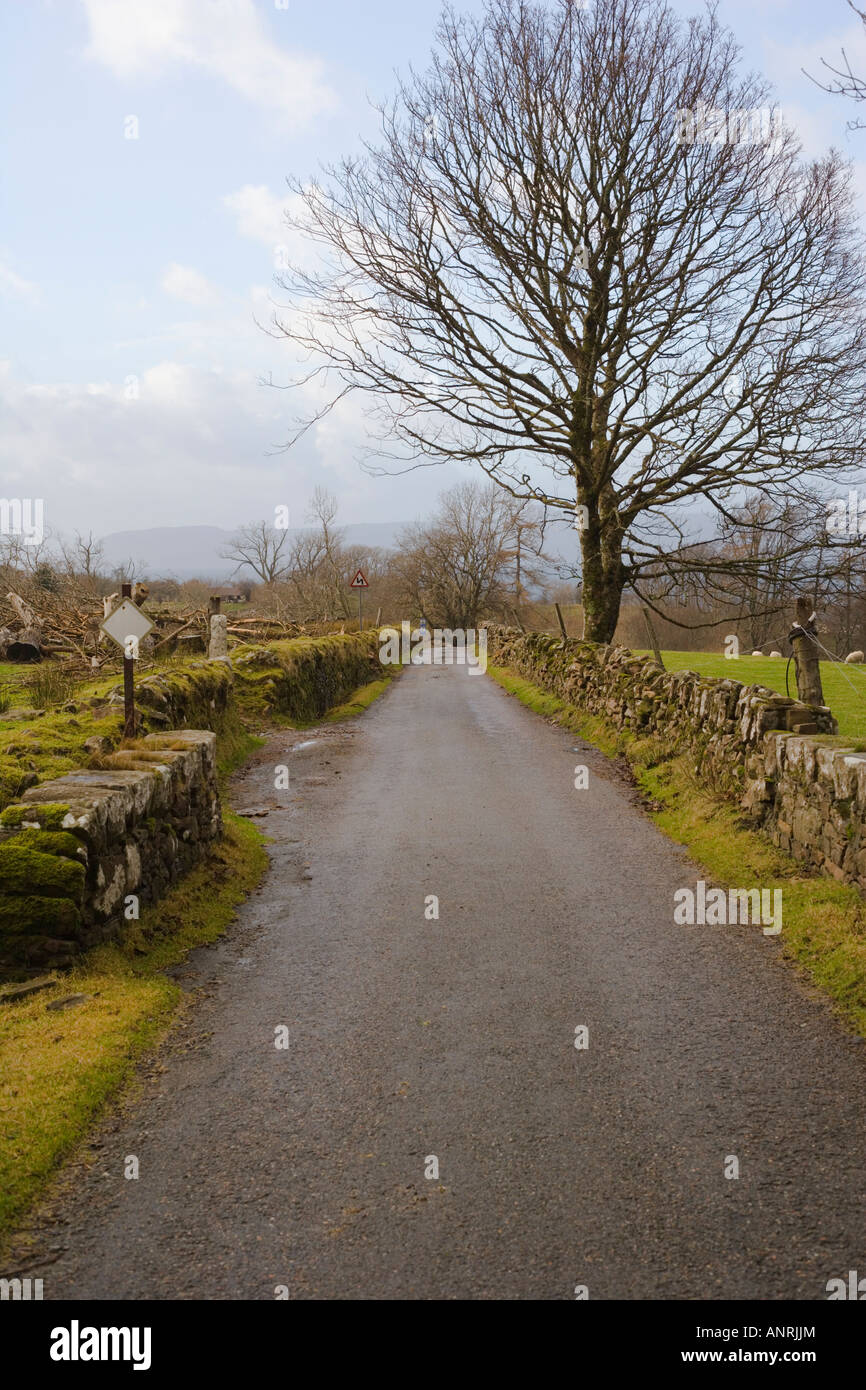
{"x": 193, "y": 552}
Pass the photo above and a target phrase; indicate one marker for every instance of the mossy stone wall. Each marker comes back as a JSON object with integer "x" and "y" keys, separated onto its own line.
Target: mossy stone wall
{"x": 80, "y": 855}
{"x": 305, "y": 677}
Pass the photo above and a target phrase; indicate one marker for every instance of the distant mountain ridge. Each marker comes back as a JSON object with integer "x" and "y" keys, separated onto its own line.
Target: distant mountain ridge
{"x": 193, "y": 552}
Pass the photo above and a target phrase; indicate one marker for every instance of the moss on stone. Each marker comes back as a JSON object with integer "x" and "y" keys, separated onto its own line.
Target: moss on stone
{"x": 302, "y": 678}
{"x": 48, "y": 916}
{"x": 52, "y": 842}
{"x": 24, "y": 869}
{"x": 49, "y": 814}
{"x": 195, "y": 695}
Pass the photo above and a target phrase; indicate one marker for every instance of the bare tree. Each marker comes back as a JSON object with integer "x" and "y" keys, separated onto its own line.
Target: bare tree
{"x": 525, "y": 549}
{"x": 18, "y": 552}
{"x": 129, "y": 570}
{"x": 323, "y": 508}
{"x": 302, "y": 577}
{"x": 319, "y": 566}
{"x": 258, "y": 546}
{"x": 85, "y": 557}
{"x": 844, "y": 81}
{"x": 89, "y": 554}
{"x": 12, "y": 554}
{"x": 455, "y": 569}
{"x": 551, "y": 267}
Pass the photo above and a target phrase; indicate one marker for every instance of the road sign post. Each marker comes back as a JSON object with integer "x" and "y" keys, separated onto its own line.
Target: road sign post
{"x": 128, "y": 699}
{"x": 128, "y": 684}
{"x": 360, "y": 583}
{"x": 127, "y": 625}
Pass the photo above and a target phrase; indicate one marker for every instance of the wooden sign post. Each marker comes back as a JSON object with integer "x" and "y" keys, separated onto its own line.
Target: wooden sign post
{"x": 126, "y": 625}
{"x": 128, "y": 681}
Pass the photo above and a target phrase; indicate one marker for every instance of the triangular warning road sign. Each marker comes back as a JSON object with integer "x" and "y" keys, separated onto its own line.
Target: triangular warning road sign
{"x": 359, "y": 582}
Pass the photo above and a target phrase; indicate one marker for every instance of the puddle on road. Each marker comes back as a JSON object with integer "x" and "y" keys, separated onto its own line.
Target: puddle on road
{"x": 306, "y": 743}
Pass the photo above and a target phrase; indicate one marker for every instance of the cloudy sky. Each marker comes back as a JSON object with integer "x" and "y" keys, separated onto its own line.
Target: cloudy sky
{"x": 142, "y": 179}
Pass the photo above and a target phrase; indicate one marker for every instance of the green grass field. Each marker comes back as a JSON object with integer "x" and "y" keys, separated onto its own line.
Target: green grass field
{"x": 844, "y": 686}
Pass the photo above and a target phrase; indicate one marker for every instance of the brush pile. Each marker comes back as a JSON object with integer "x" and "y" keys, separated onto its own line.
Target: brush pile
{"x": 37, "y": 623}
{"x": 47, "y": 624}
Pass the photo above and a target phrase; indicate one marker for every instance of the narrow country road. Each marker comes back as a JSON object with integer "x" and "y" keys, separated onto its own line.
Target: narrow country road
{"x": 408, "y": 1038}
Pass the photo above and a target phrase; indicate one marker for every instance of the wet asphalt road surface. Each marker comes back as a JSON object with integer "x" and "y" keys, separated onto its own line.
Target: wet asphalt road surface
{"x": 411, "y": 1038}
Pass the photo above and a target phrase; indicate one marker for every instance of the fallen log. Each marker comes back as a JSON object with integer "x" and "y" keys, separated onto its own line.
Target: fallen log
{"x": 26, "y": 645}
{"x": 172, "y": 636}
{"x": 26, "y": 617}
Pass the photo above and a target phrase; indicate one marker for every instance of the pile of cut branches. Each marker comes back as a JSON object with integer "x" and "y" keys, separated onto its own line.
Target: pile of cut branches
{"x": 38, "y": 623}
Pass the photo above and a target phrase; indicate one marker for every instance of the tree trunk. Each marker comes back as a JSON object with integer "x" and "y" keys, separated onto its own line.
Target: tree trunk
{"x": 806, "y": 659}
{"x": 26, "y": 643}
{"x": 601, "y": 605}
{"x": 604, "y": 574}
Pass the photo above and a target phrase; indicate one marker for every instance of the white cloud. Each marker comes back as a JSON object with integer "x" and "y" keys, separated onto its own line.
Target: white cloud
{"x": 261, "y": 216}
{"x": 808, "y": 53}
{"x": 824, "y": 122}
{"x": 226, "y": 38}
{"x": 14, "y": 285}
{"x": 229, "y": 331}
{"x": 192, "y": 446}
{"x": 182, "y": 282}
{"x": 260, "y": 213}
{"x": 806, "y": 65}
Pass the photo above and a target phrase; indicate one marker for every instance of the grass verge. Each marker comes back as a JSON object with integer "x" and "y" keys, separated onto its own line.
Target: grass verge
{"x": 59, "y": 1069}
{"x": 361, "y": 698}
{"x": 824, "y": 922}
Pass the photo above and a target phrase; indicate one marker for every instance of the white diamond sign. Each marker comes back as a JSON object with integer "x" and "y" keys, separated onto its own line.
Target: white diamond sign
{"x": 127, "y": 625}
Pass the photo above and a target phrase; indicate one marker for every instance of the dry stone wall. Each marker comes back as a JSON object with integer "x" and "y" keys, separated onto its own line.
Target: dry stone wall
{"x": 131, "y": 820}
{"x": 80, "y": 855}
